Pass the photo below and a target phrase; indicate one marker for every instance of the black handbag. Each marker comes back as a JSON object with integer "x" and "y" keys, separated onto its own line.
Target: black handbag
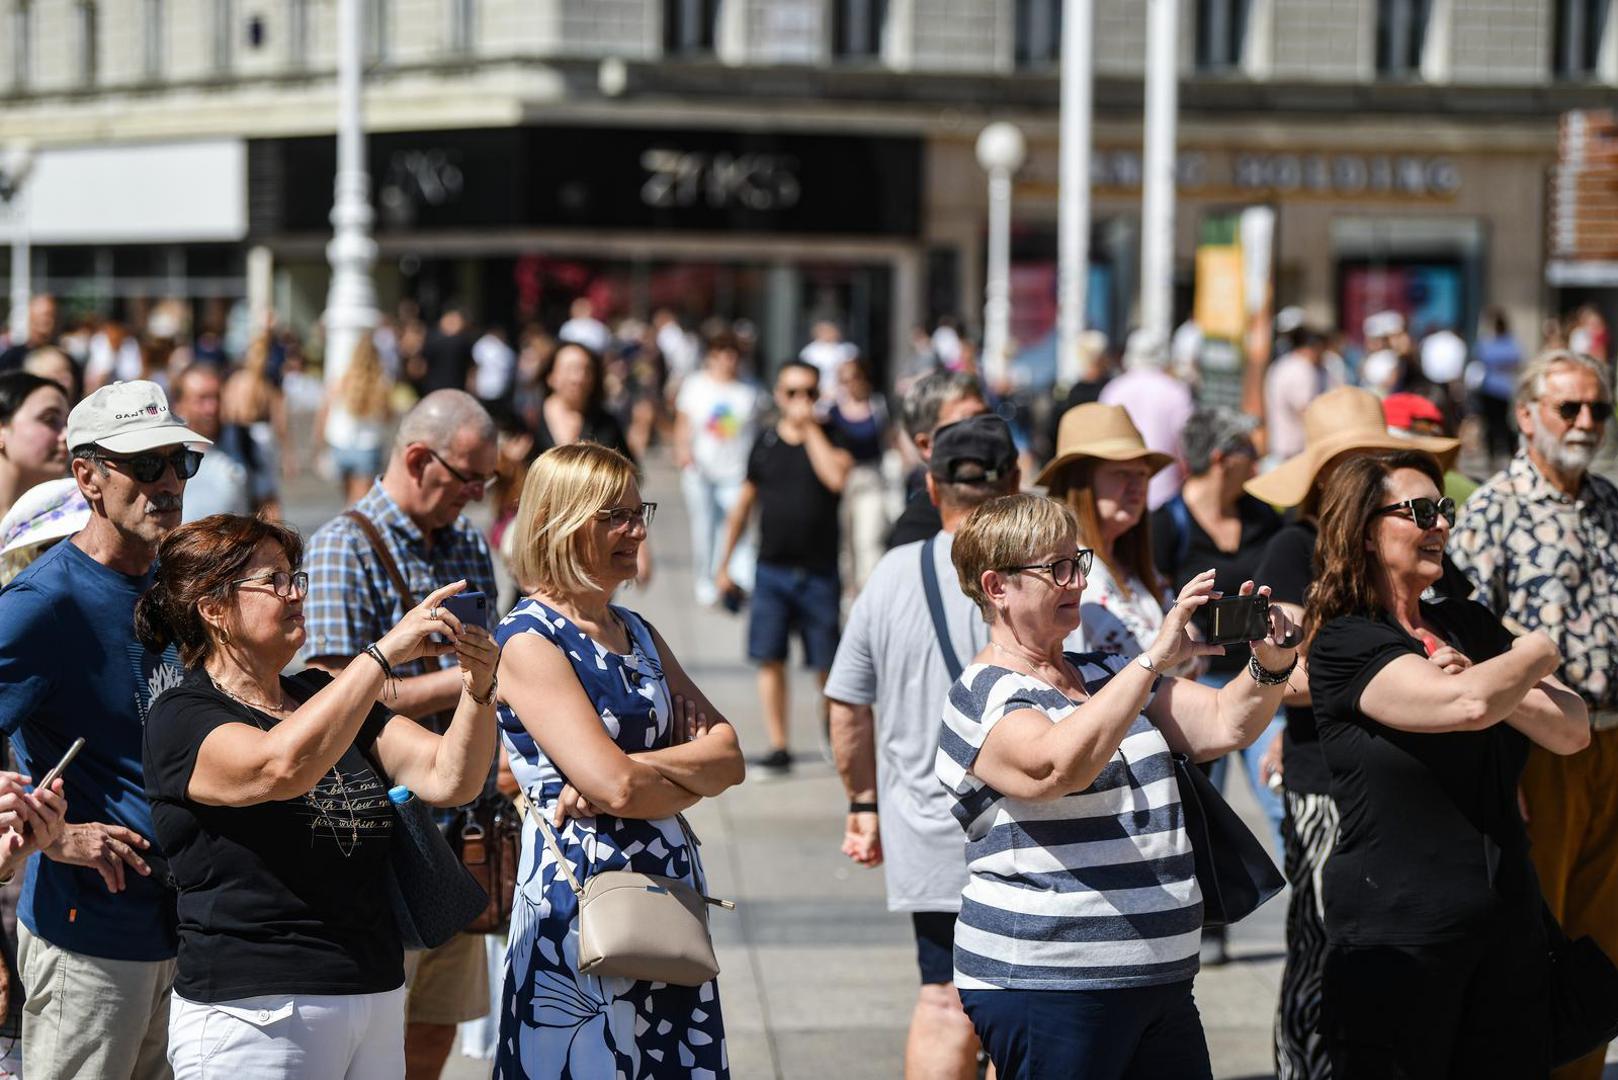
{"x": 1233, "y": 869}
{"x": 1583, "y": 993}
{"x": 433, "y": 895}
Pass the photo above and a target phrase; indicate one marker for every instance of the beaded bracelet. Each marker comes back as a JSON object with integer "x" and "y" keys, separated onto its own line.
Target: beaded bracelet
{"x": 1264, "y": 676}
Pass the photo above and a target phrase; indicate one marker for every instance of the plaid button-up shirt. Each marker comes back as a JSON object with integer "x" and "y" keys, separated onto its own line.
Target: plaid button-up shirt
{"x": 352, "y": 601}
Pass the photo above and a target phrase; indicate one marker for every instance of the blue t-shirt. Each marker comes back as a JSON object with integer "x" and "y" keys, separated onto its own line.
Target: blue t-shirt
{"x": 70, "y": 665}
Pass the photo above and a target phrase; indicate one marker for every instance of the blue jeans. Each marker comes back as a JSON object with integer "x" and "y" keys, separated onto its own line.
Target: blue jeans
{"x": 1145, "y": 1032}
{"x": 707, "y": 504}
{"x": 788, "y": 600}
{"x": 1268, "y": 801}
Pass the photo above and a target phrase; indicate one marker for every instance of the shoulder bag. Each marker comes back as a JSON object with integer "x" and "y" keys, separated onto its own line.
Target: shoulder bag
{"x": 438, "y": 890}
{"x": 1583, "y": 991}
{"x": 1233, "y": 870}
{"x": 640, "y": 926}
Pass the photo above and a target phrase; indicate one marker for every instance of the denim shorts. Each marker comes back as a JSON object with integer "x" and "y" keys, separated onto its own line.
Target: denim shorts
{"x": 787, "y": 599}
{"x": 357, "y": 462}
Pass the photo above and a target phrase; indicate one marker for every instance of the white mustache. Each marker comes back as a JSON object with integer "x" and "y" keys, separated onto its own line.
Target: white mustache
{"x": 162, "y": 504}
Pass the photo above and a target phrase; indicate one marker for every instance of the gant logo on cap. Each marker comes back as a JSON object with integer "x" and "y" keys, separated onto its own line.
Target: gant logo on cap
{"x": 150, "y": 410}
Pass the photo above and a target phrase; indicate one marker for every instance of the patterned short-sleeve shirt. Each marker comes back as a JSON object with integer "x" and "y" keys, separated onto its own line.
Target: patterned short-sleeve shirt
{"x": 1549, "y": 561}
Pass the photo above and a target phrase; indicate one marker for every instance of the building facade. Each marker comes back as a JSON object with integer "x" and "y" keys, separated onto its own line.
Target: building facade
{"x": 787, "y": 160}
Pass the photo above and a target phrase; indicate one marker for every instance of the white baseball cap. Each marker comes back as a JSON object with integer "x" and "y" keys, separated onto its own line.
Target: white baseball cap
{"x": 1384, "y": 324}
{"x": 128, "y": 418}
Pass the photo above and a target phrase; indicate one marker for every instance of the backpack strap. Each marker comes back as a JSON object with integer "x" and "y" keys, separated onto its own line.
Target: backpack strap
{"x": 384, "y": 556}
{"x": 935, "y": 605}
{"x": 1181, "y": 514}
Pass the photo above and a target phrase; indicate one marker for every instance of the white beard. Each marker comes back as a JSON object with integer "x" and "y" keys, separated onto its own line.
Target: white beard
{"x": 1564, "y": 454}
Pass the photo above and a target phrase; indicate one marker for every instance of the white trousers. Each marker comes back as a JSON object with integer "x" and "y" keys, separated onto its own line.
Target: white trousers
{"x": 289, "y": 1037}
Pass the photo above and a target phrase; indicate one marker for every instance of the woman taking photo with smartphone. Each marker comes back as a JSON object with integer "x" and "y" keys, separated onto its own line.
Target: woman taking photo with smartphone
{"x": 270, "y": 798}
{"x": 1436, "y": 959}
{"x": 1080, "y": 921}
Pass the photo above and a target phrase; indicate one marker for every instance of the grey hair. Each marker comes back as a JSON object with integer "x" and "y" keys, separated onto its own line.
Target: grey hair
{"x": 440, "y": 416}
{"x": 1531, "y": 383}
{"x": 1210, "y": 430}
{"x": 927, "y": 396}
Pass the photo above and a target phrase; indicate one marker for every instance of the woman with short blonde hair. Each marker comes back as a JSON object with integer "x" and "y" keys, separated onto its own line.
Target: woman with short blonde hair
{"x": 1079, "y": 927}
{"x": 611, "y": 740}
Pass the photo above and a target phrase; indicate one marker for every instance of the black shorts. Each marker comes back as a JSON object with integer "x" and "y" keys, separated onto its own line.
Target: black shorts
{"x": 935, "y": 945}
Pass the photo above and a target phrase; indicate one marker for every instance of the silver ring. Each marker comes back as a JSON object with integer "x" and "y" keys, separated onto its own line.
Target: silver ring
{"x": 432, "y": 612}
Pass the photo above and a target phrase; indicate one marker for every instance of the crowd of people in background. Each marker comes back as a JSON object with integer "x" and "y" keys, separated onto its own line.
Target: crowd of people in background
{"x": 1007, "y": 678}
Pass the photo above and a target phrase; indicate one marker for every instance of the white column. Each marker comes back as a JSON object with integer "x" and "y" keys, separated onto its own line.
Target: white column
{"x": 22, "y": 285}
{"x": 1157, "y": 183}
{"x": 1000, "y": 151}
{"x": 1073, "y": 222}
{"x": 351, "y": 303}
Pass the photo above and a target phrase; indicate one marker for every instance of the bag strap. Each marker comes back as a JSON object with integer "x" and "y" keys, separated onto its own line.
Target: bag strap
{"x": 935, "y": 605}
{"x": 1180, "y": 513}
{"x": 550, "y": 841}
{"x": 383, "y": 555}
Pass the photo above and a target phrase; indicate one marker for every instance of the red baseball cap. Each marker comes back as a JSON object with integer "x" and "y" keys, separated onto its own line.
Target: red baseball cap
{"x": 1402, "y": 411}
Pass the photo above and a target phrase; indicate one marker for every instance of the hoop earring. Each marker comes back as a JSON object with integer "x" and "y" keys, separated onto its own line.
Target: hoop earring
{"x": 224, "y": 635}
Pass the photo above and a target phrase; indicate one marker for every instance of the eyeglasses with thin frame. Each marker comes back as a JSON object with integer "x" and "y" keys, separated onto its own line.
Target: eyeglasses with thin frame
{"x": 1424, "y": 512}
{"x": 149, "y": 468}
{"x": 284, "y": 582}
{"x": 623, "y": 517}
{"x": 1063, "y": 571}
{"x": 1600, "y": 411}
{"x": 481, "y": 481}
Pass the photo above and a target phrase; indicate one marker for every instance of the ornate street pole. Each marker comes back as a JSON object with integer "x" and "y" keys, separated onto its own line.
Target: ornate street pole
{"x": 351, "y": 303}
{"x": 1001, "y": 149}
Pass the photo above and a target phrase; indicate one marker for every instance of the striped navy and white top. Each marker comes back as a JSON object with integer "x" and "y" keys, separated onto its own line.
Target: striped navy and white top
{"x": 1095, "y": 890}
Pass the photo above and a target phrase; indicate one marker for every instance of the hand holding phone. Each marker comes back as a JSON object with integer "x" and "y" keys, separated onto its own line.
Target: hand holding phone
{"x": 1233, "y": 620}
{"x": 61, "y": 766}
{"x": 471, "y": 608}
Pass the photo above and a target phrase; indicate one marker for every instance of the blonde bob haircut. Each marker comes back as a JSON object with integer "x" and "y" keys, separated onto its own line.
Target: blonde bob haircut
{"x": 1013, "y": 530}
{"x": 565, "y": 488}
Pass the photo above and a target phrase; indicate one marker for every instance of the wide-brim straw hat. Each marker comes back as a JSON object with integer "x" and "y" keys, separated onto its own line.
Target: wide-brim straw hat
{"x": 1335, "y": 423}
{"x": 1098, "y": 431}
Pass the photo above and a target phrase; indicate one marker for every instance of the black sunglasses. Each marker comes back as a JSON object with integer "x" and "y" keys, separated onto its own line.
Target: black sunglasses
{"x": 1062, "y": 571}
{"x": 1424, "y": 512}
{"x": 810, "y": 392}
{"x": 459, "y": 475}
{"x": 1600, "y": 411}
{"x": 148, "y": 468}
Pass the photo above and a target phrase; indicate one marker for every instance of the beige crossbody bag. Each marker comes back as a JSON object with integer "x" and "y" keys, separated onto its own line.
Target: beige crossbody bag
{"x": 640, "y": 926}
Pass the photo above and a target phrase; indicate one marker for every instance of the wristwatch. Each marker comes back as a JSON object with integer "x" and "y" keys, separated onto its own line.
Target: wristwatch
{"x": 1145, "y": 661}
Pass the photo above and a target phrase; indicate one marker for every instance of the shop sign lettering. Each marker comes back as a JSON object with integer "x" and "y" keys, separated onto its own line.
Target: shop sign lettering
{"x": 683, "y": 179}
{"x": 1340, "y": 175}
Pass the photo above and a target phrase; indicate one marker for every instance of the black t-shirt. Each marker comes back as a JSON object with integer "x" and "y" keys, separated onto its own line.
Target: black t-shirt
{"x": 449, "y": 360}
{"x": 1288, "y": 568}
{"x": 600, "y": 427}
{"x": 1231, "y": 568}
{"x": 919, "y": 521}
{"x": 797, "y": 513}
{"x": 277, "y": 898}
{"x": 1431, "y": 844}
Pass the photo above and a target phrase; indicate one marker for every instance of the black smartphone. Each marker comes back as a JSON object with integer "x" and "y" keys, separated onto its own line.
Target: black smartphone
{"x": 472, "y": 608}
{"x": 1233, "y": 620}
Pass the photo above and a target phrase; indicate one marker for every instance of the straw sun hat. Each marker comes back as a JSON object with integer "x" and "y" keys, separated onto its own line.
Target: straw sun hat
{"x": 1097, "y": 431}
{"x": 1335, "y": 423}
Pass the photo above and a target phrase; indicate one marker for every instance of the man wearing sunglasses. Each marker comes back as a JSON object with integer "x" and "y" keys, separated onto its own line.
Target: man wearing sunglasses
{"x": 1540, "y": 541}
{"x": 96, "y": 914}
{"x": 365, "y": 572}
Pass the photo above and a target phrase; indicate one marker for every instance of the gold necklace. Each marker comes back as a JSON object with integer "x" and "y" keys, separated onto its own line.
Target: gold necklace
{"x": 336, "y": 774}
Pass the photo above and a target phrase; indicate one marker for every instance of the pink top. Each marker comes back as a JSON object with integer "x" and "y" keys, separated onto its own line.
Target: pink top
{"x": 1159, "y": 404}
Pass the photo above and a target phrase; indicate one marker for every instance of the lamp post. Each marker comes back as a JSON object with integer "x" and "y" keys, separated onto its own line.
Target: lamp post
{"x": 1000, "y": 151}
{"x": 1073, "y": 212}
{"x": 19, "y": 162}
{"x": 1157, "y": 183}
{"x": 351, "y": 302}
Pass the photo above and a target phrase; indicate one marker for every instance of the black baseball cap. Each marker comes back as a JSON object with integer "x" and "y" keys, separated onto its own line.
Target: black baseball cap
{"x": 977, "y": 450}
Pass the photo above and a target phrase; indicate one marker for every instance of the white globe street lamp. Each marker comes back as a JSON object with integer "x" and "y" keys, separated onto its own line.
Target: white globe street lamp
{"x": 1001, "y": 150}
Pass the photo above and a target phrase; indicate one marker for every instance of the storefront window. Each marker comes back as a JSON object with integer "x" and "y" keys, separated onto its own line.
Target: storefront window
{"x": 1039, "y": 33}
{"x": 1580, "y": 26}
{"x": 690, "y": 27}
{"x": 1221, "y": 34}
{"x": 1401, "y": 35}
{"x": 858, "y": 29}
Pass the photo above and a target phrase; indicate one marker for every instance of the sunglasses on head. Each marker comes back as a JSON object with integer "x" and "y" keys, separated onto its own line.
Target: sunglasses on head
{"x": 148, "y": 468}
{"x": 1600, "y": 411}
{"x": 1062, "y": 571}
{"x": 1424, "y": 512}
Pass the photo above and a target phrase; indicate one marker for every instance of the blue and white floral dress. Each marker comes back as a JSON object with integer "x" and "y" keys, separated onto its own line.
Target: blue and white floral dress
{"x": 554, "y": 1021}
